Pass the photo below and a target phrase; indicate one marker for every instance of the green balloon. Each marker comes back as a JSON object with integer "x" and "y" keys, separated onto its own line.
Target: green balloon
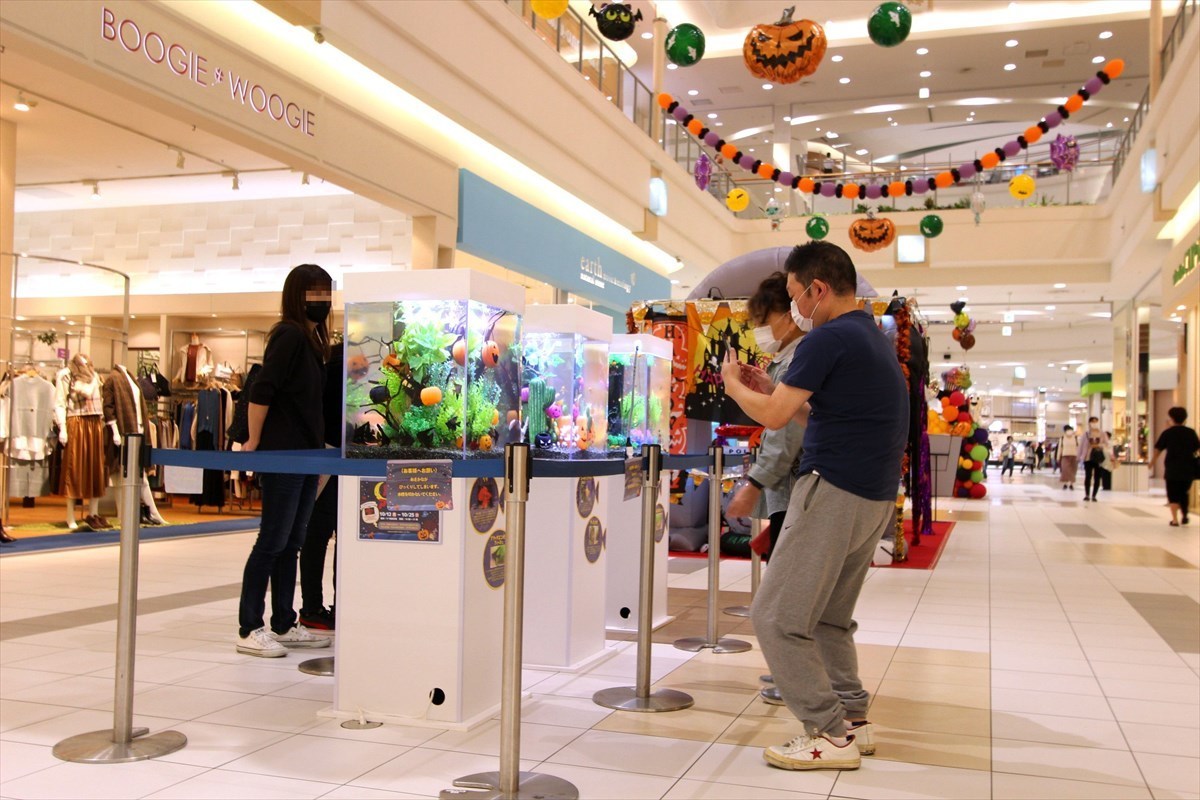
{"x": 931, "y": 226}
{"x": 977, "y": 475}
{"x": 978, "y": 453}
{"x": 817, "y": 228}
{"x": 889, "y": 24}
{"x": 685, "y": 45}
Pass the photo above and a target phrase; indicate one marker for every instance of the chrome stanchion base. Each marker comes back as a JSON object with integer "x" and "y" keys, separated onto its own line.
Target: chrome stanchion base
{"x": 694, "y": 644}
{"x": 625, "y": 698}
{"x": 322, "y": 667}
{"x": 360, "y": 725}
{"x": 532, "y": 786}
{"x": 738, "y": 611}
{"x": 98, "y": 747}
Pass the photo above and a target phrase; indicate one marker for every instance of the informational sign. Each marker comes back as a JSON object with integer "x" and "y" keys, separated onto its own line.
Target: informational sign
{"x": 183, "y": 480}
{"x": 494, "y": 553}
{"x": 633, "y": 478}
{"x": 485, "y": 503}
{"x": 586, "y": 492}
{"x": 419, "y": 486}
{"x": 379, "y": 522}
{"x": 62, "y": 353}
{"x": 593, "y": 540}
{"x": 660, "y": 522}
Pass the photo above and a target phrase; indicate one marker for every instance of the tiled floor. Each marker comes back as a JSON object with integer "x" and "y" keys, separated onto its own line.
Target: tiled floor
{"x": 1051, "y": 654}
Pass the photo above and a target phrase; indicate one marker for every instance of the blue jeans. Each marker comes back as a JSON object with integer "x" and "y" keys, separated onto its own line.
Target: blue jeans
{"x": 287, "y": 505}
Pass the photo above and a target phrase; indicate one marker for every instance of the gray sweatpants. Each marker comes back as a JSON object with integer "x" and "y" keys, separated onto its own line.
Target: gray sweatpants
{"x": 803, "y": 612}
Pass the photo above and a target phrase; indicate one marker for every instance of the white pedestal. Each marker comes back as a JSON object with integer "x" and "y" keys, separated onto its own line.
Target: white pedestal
{"x": 564, "y": 574}
{"x": 416, "y": 617}
{"x": 624, "y": 556}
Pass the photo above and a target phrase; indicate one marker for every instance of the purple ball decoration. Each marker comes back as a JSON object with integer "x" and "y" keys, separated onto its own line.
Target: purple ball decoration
{"x": 828, "y": 189}
{"x": 525, "y": 394}
{"x": 1093, "y": 85}
{"x": 981, "y": 435}
{"x": 966, "y": 171}
{"x": 1012, "y": 148}
{"x": 920, "y": 186}
{"x": 680, "y": 113}
{"x": 1053, "y": 119}
{"x": 1064, "y": 152}
{"x": 703, "y": 172}
{"x": 711, "y": 138}
{"x": 786, "y": 178}
{"x": 746, "y": 163}
{"x": 874, "y": 192}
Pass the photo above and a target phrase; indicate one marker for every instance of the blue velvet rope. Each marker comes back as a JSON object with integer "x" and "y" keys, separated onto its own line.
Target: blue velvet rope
{"x": 331, "y": 462}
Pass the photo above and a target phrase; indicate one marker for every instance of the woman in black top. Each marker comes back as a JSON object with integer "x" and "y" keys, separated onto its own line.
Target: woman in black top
{"x": 1180, "y": 443}
{"x": 285, "y": 413}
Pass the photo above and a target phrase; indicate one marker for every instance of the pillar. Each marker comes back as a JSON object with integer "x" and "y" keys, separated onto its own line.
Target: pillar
{"x": 658, "y": 67}
{"x": 1156, "y": 46}
{"x": 8, "y": 182}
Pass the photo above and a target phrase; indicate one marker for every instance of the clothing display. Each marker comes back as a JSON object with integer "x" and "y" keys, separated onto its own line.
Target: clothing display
{"x": 79, "y": 407}
{"x": 32, "y": 413}
{"x": 125, "y": 409}
{"x": 196, "y": 363}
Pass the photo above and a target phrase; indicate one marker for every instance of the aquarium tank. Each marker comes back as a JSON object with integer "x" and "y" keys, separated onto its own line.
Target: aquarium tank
{"x": 639, "y": 391}
{"x": 431, "y": 378}
{"x": 564, "y": 394}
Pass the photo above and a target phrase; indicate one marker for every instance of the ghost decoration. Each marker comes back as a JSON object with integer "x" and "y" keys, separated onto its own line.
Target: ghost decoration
{"x": 616, "y": 21}
{"x": 978, "y": 204}
{"x": 1064, "y": 153}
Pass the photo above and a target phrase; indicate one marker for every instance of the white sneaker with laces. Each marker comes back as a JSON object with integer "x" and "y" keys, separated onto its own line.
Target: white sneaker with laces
{"x": 864, "y": 737}
{"x": 262, "y": 644}
{"x": 808, "y": 752}
{"x": 300, "y": 636}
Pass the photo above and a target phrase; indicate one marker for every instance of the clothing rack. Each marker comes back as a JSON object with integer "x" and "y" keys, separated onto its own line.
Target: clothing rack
{"x": 247, "y": 356}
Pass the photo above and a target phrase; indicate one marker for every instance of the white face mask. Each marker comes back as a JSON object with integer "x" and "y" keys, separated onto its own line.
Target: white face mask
{"x": 765, "y": 340}
{"x": 805, "y": 324}
{"x": 1095, "y": 426}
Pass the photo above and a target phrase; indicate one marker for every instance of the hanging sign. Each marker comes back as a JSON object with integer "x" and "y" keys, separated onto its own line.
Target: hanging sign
{"x": 633, "y": 478}
{"x": 419, "y": 486}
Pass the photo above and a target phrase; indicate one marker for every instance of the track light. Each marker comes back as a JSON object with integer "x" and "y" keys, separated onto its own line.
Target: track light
{"x": 236, "y": 183}
{"x": 179, "y": 159}
{"x": 304, "y": 179}
{"x": 95, "y": 189}
{"x": 24, "y": 104}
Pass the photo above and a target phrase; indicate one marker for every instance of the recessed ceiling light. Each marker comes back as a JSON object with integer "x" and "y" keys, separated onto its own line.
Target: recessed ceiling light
{"x": 1006, "y": 330}
{"x": 1125, "y": 120}
{"x": 787, "y": 119}
{"x": 1098, "y": 60}
{"x": 693, "y": 92}
{"x": 889, "y": 119}
{"x": 843, "y": 80}
{"x": 647, "y": 35}
{"x": 1009, "y": 67}
{"x": 926, "y": 73}
{"x": 712, "y": 116}
{"x": 751, "y": 150}
{"x": 675, "y": 282}
{"x": 1060, "y": 286}
{"x": 1105, "y": 34}
{"x": 894, "y": 124}
{"x": 768, "y": 86}
{"x": 1011, "y": 43}
{"x": 23, "y": 104}
{"x": 818, "y": 130}
{"x": 1181, "y": 308}
{"x": 923, "y": 93}
{"x": 831, "y": 135}
{"x": 836, "y": 59}
{"x": 720, "y": 124}
{"x": 1051, "y": 364}
{"x": 672, "y": 66}
{"x": 922, "y": 51}
{"x": 862, "y": 151}
{"x": 1108, "y": 125}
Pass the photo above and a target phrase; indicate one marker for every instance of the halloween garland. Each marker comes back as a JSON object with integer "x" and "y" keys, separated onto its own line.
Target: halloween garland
{"x": 1112, "y": 70}
{"x": 903, "y": 353}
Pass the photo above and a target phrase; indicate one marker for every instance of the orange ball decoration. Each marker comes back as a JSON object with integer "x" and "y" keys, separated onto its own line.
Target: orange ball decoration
{"x": 665, "y": 100}
{"x": 1032, "y": 134}
{"x": 895, "y": 189}
{"x": 431, "y": 396}
{"x": 850, "y": 190}
{"x": 490, "y": 354}
{"x": 694, "y": 127}
{"x": 1114, "y": 68}
{"x": 989, "y": 160}
{"x": 729, "y": 151}
{"x": 943, "y": 179}
{"x": 766, "y": 171}
{"x": 806, "y": 185}
{"x": 1074, "y": 103}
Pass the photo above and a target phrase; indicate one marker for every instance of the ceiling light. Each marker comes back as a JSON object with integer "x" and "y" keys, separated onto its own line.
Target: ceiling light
{"x": 304, "y": 179}
{"x": 831, "y": 135}
{"x": 751, "y": 150}
{"x": 1060, "y": 286}
{"x": 1006, "y": 330}
{"x": 1051, "y": 364}
{"x": 894, "y": 124}
{"x": 818, "y": 130}
{"x": 1108, "y": 125}
{"x": 1125, "y": 120}
{"x": 922, "y": 51}
{"x": 672, "y": 66}
{"x": 836, "y": 59}
{"x": 843, "y": 81}
{"x": 1098, "y": 60}
{"x": 889, "y": 119}
{"x": 648, "y": 35}
{"x": 960, "y": 288}
{"x": 1051, "y": 308}
{"x": 720, "y": 124}
{"x": 674, "y": 281}
{"x": 861, "y": 152}
{"x": 787, "y": 119}
{"x": 1181, "y": 308}
{"x": 179, "y": 159}
{"x": 926, "y": 73}
{"x": 1009, "y": 67}
{"x": 95, "y": 190}
{"x": 923, "y": 93}
{"x": 236, "y": 183}
{"x": 1105, "y": 34}
{"x": 1011, "y": 43}
{"x": 24, "y": 104}
{"x": 768, "y": 86}
{"x": 693, "y": 92}
{"x": 712, "y": 116}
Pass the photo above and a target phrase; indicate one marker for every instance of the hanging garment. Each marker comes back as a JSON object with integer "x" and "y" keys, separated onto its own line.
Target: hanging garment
{"x": 187, "y": 417}
{"x": 124, "y": 409}
{"x": 32, "y": 401}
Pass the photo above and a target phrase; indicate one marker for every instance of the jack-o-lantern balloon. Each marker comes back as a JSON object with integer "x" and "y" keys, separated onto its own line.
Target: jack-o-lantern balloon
{"x": 616, "y": 21}
{"x": 786, "y": 51}
{"x": 871, "y": 234}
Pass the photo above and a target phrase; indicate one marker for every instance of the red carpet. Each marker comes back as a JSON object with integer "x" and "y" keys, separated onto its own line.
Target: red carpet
{"x": 926, "y": 554}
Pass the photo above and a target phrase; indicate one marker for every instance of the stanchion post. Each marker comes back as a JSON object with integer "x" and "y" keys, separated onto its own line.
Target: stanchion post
{"x": 639, "y": 697}
{"x": 124, "y": 742}
{"x": 510, "y": 783}
{"x": 755, "y": 561}
{"x": 693, "y": 644}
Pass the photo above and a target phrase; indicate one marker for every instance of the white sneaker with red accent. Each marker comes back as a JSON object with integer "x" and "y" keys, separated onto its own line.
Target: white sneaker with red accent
{"x": 813, "y": 752}
{"x": 864, "y": 737}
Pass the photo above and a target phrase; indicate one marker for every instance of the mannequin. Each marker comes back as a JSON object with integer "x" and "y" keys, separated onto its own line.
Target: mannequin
{"x": 78, "y": 409}
{"x": 125, "y": 412}
{"x": 196, "y": 363}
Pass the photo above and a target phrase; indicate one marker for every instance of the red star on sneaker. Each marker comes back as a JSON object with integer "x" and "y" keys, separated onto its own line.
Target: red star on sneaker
{"x": 815, "y": 753}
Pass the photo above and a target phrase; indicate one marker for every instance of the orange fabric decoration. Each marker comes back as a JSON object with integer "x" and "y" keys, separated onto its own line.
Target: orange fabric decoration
{"x": 729, "y": 151}
{"x": 1074, "y": 103}
{"x": 943, "y": 180}
{"x": 1032, "y": 134}
{"x": 989, "y": 160}
{"x": 1114, "y": 68}
{"x": 895, "y": 189}
{"x": 665, "y": 100}
{"x": 766, "y": 171}
{"x": 805, "y": 185}
{"x": 694, "y": 127}
{"x": 850, "y": 190}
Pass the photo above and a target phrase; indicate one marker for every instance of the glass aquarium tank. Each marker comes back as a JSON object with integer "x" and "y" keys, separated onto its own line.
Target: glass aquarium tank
{"x": 432, "y": 377}
{"x": 639, "y": 391}
{"x": 564, "y": 396}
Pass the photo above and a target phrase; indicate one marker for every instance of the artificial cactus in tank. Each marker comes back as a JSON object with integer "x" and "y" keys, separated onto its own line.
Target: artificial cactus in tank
{"x": 540, "y": 398}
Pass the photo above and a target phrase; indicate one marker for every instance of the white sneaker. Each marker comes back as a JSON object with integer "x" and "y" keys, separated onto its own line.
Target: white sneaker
{"x": 262, "y": 644}
{"x": 864, "y": 737}
{"x": 300, "y": 636}
{"x": 807, "y": 752}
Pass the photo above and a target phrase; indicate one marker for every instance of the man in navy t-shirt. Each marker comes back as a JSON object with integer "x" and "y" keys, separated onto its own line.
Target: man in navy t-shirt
{"x": 845, "y": 381}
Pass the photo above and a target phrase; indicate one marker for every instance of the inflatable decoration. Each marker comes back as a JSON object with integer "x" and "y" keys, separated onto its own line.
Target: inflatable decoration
{"x": 549, "y": 9}
{"x": 889, "y": 24}
{"x": 786, "y": 51}
{"x": 964, "y": 172}
{"x": 817, "y": 228}
{"x": 616, "y": 21}
{"x": 931, "y": 226}
{"x": 737, "y": 200}
{"x": 703, "y": 172}
{"x": 978, "y": 204}
{"x": 967, "y": 340}
{"x": 685, "y": 45}
{"x": 774, "y": 212}
{"x": 952, "y": 403}
{"x": 1022, "y": 187}
{"x": 1064, "y": 153}
{"x": 963, "y": 325}
{"x": 871, "y": 234}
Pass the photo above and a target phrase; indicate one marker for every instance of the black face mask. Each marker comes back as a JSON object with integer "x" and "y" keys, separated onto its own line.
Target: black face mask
{"x": 317, "y": 311}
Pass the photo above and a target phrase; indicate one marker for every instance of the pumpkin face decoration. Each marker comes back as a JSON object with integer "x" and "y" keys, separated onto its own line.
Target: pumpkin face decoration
{"x": 872, "y": 234}
{"x": 786, "y": 51}
{"x": 616, "y": 21}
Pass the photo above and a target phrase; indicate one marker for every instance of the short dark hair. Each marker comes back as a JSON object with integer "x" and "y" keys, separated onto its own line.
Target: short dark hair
{"x": 1067, "y": 428}
{"x": 820, "y": 260}
{"x": 1093, "y": 419}
{"x": 770, "y": 297}
{"x": 1178, "y": 414}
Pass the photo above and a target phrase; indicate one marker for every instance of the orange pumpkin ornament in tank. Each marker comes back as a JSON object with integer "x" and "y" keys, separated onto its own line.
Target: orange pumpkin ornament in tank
{"x": 786, "y": 51}
{"x": 490, "y": 353}
{"x": 871, "y": 234}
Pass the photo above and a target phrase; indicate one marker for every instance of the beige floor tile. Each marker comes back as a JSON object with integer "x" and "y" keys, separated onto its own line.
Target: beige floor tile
{"x": 1051, "y": 729}
{"x": 626, "y": 752}
{"x": 930, "y": 655}
{"x": 1034, "y": 702}
{"x": 593, "y": 782}
{"x": 1024, "y": 787}
{"x": 1043, "y": 682}
{"x": 939, "y": 749}
{"x": 937, "y": 673}
{"x": 880, "y": 779}
{"x": 1070, "y": 763}
{"x": 751, "y": 731}
{"x": 1168, "y": 740}
{"x": 907, "y": 714}
{"x": 1170, "y": 774}
{"x": 708, "y": 699}
{"x": 719, "y": 677}
{"x": 701, "y": 790}
{"x": 946, "y": 693}
{"x": 744, "y": 766}
{"x": 695, "y": 724}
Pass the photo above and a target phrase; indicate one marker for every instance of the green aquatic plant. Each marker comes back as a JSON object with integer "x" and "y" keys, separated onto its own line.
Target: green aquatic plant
{"x": 482, "y": 400}
{"x": 421, "y": 346}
